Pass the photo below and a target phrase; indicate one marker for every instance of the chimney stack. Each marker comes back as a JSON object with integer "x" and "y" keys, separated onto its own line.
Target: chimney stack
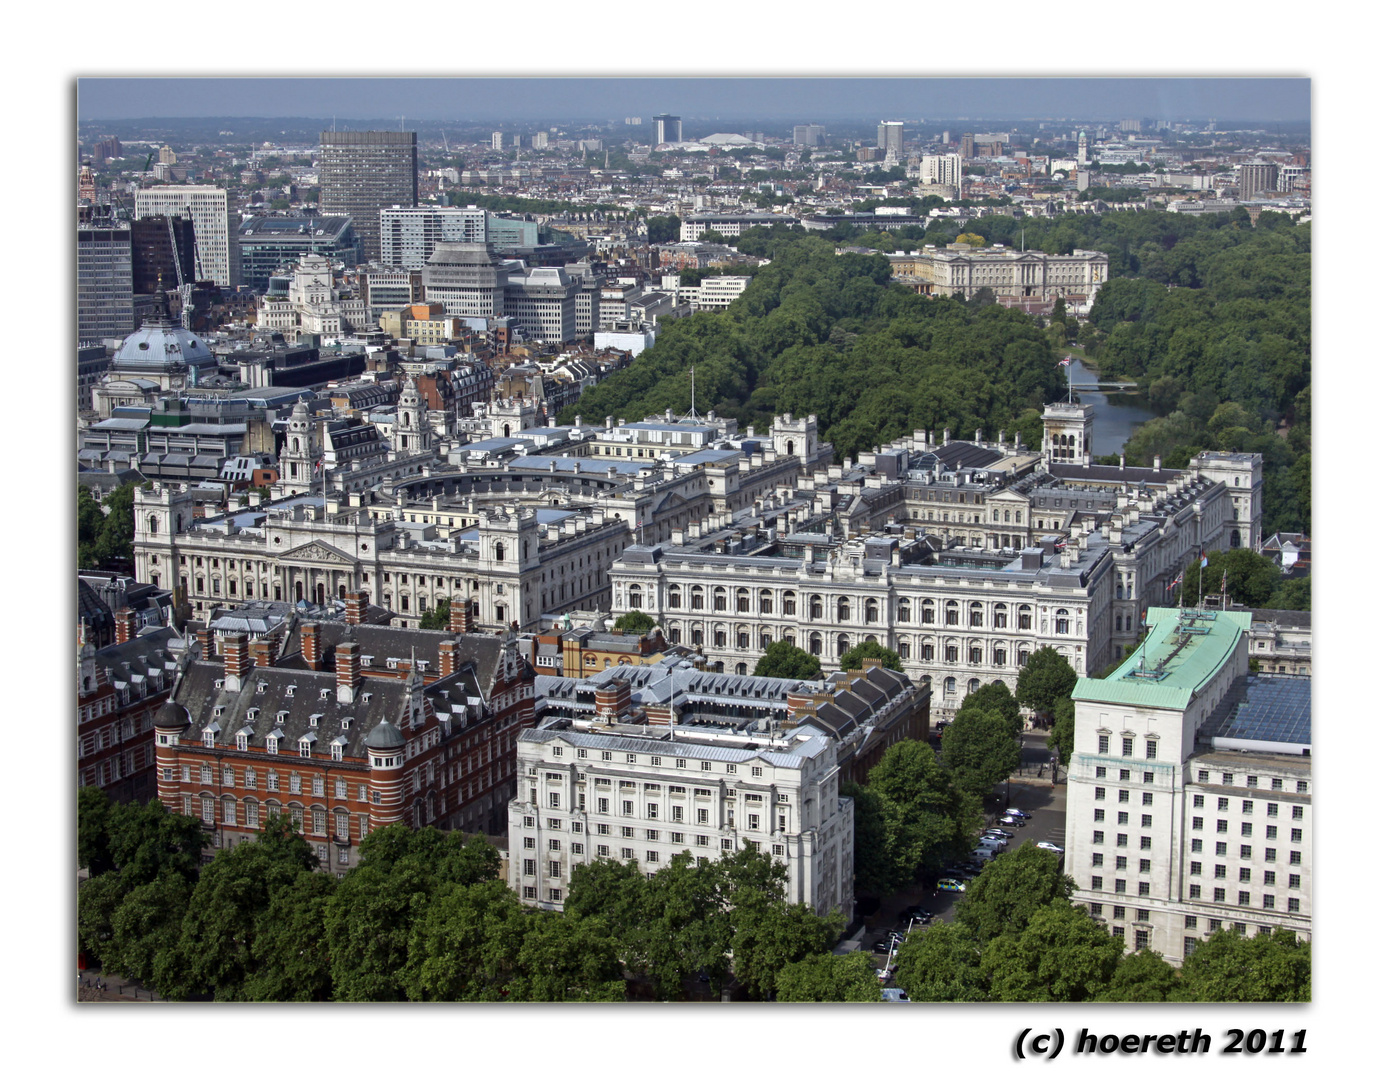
{"x": 309, "y": 645}
{"x": 356, "y": 607}
{"x": 205, "y": 646}
{"x": 460, "y": 616}
{"x": 448, "y": 658}
{"x": 261, "y": 653}
{"x": 348, "y": 664}
{"x": 236, "y": 660}
{"x": 125, "y": 625}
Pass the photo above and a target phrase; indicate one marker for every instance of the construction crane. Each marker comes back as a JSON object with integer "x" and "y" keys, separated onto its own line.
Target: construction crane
{"x": 147, "y": 162}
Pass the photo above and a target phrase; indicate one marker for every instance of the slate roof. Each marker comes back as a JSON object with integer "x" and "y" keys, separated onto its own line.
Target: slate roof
{"x": 146, "y": 662}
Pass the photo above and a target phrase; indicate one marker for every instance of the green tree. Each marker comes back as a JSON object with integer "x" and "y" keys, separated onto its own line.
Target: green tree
{"x": 1141, "y": 976}
{"x": 634, "y": 622}
{"x": 90, "y": 520}
{"x": 116, "y": 539}
{"x": 1044, "y": 680}
{"x": 566, "y": 958}
{"x": 1291, "y": 594}
{"x": 1251, "y": 578}
{"x": 98, "y": 899}
{"x": 769, "y": 934}
{"x": 1228, "y": 966}
{"x": 996, "y": 697}
{"x": 942, "y": 963}
{"x": 148, "y": 925}
{"x": 869, "y": 650}
{"x": 146, "y": 839}
{"x": 93, "y": 831}
{"x": 438, "y": 619}
{"x": 463, "y": 943}
{"x": 663, "y": 230}
{"x": 1062, "y": 955}
{"x": 1010, "y": 890}
{"x": 826, "y": 977}
{"x": 1061, "y": 739}
{"x": 980, "y": 749}
{"x": 782, "y": 660}
{"x": 972, "y": 239}
{"x": 290, "y": 949}
{"x": 368, "y": 922}
{"x": 924, "y": 815}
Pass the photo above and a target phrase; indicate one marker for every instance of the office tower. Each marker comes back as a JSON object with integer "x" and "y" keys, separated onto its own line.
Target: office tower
{"x": 86, "y": 185}
{"x": 890, "y": 137}
{"x": 1256, "y": 177}
{"x": 808, "y": 135}
{"x": 216, "y": 258}
{"x": 409, "y": 235}
{"x": 540, "y": 140}
{"x": 162, "y": 251}
{"x": 269, "y": 243}
{"x": 105, "y": 306}
{"x": 942, "y": 169}
{"x": 496, "y": 140}
{"x": 1082, "y": 151}
{"x": 361, "y": 173}
{"x": 665, "y": 129}
{"x": 966, "y": 145}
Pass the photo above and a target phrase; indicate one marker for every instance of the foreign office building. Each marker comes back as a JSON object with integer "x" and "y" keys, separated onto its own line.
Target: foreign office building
{"x": 1189, "y": 802}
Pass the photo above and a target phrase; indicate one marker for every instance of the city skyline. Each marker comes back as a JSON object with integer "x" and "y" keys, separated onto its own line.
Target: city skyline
{"x": 1265, "y": 100}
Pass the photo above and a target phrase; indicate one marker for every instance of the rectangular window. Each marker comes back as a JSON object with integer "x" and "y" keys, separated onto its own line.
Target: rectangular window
{"x": 1295, "y": 858}
{"x": 1295, "y": 835}
{"x": 1243, "y": 899}
{"x": 1196, "y": 847}
{"x": 1120, "y": 885}
{"x": 1127, "y": 746}
{"x": 1099, "y": 794}
{"x": 1198, "y": 823}
{"x": 1146, "y": 821}
{"x": 1123, "y": 794}
{"x": 1123, "y": 817}
{"x": 1099, "y": 814}
{"x": 1195, "y": 869}
{"x": 1150, "y": 751}
{"x": 1121, "y": 839}
{"x": 1246, "y": 852}
{"x": 1270, "y": 832}
{"x": 1121, "y": 862}
{"x": 1096, "y": 858}
{"x": 1218, "y": 895}
{"x": 1104, "y": 744}
{"x": 1294, "y": 881}
{"x": 1147, "y": 798}
{"x": 1194, "y": 892}
{"x": 1097, "y": 837}
{"x": 528, "y": 892}
{"x": 1198, "y": 801}
{"x": 1294, "y": 905}
{"x": 1220, "y": 847}
{"x": 1145, "y": 866}
{"x": 1097, "y": 883}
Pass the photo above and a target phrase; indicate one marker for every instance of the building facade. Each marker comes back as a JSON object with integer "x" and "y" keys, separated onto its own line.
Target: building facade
{"x": 1190, "y": 789}
{"x": 645, "y": 794}
{"x": 105, "y": 301}
{"x": 216, "y": 256}
{"x": 1016, "y": 277}
{"x": 267, "y": 244}
{"x": 361, "y": 173}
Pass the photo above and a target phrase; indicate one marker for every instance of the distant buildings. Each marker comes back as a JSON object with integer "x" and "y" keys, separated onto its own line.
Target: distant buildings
{"x": 1031, "y": 279}
{"x": 946, "y": 170}
{"x": 665, "y": 129}
{"x": 105, "y": 302}
{"x": 1190, "y": 789}
{"x": 269, "y": 244}
{"x": 1257, "y": 177}
{"x": 163, "y": 253}
{"x": 362, "y": 173}
{"x": 217, "y": 258}
{"x": 808, "y": 135}
{"x": 891, "y": 139}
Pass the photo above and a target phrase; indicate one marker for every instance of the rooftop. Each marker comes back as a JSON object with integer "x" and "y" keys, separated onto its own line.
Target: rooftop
{"x": 1263, "y": 712}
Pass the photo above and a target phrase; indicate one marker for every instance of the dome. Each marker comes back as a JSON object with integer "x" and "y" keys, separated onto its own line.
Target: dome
{"x": 161, "y": 344}
{"x": 385, "y": 736}
{"x": 171, "y": 715}
{"x": 725, "y": 138}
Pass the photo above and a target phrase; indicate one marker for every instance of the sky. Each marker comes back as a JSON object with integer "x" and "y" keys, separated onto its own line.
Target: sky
{"x": 1285, "y": 100}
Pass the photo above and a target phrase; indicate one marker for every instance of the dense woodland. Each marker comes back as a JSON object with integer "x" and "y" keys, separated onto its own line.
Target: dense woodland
{"x": 1209, "y": 314}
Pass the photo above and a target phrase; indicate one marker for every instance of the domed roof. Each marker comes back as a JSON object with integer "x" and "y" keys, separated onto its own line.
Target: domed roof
{"x": 385, "y": 736}
{"x": 171, "y": 715}
{"x": 162, "y": 344}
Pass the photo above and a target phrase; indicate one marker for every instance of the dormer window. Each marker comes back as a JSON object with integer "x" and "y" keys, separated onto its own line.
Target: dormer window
{"x": 289, "y": 690}
{"x": 210, "y": 738}
{"x": 241, "y": 739}
{"x": 251, "y": 714}
{"x": 346, "y": 723}
{"x": 216, "y": 684}
{"x": 314, "y": 719}
{"x": 282, "y": 716}
{"x": 272, "y": 744}
{"x": 217, "y": 712}
{"x": 260, "y": 687}
{"x": 324, "y": 695}
{"x": 366, "y": 698}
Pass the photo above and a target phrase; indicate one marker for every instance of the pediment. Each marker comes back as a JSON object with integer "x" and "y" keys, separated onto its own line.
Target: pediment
{"x": 317, "y": 552}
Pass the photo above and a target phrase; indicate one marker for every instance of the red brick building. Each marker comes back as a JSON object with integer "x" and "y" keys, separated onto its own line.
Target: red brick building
{"x": 119, "y": 689}
{"x": 346, "y": 727}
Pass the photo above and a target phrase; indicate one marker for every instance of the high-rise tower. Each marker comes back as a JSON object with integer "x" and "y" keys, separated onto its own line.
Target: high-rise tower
{"x": 665, "y": 129}
{"x": 362, "y": 173}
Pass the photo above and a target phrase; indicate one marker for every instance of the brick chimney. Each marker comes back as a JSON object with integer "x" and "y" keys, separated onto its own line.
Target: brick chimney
{"x": 448, "y": 658}
{"x": 356, "y": 608}
{"x": 236, "y": 658}
{"x": 460, "y": 616}
{"x": 348, "y": 664}
{"x": 125, "y": 625}
{"x": 309, "y": 645}
{"x": 261, "y": 652}
{"x": 205, "y": 646}
{"x": 616, "y": 696}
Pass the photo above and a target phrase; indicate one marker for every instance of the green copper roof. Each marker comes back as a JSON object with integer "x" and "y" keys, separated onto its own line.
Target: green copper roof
{"x": 1183, "y": 650}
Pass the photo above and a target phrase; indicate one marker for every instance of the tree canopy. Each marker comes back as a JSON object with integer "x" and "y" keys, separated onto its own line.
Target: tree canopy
{"x": 980, "y": 748}
{"x": 782, "y": 660}
{"x": 1045, "y": 679}
{"x": 869, "y": 650}
{"x": 634, "y": 622}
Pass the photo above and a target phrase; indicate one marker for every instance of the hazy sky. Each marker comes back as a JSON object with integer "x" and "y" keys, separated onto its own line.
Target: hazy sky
{"x": 803, "y": 99}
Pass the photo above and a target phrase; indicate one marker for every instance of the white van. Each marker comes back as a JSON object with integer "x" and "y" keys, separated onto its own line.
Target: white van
{"x": 983, "y": 853}
{"x": 990, "y": 843}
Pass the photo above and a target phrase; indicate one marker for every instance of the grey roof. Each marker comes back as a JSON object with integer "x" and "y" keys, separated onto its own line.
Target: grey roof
{"x": 1263, "y": 712}
{"x": 385, "y": 736}
{"x": 484, "y": 651}
{"x": 793, "y": 756}
{"x": 146, "y": 662}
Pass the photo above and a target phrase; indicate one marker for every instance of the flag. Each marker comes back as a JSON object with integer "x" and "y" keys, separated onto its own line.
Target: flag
{"x": 1205, "y": 562}
{"x": 1176, "y": 581}
{"x": 1065, "y": 363}
{"x": 318, "y": 465}
{"x": 1224, "y": 579}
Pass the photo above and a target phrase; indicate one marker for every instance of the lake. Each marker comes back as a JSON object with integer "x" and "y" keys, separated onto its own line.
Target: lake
{"x": 1117, "y": 413}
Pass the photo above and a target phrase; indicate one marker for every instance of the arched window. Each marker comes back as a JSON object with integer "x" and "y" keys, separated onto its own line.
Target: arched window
{"x": 500, "y": 550}
{"x": 844, "y": 609}
{"x": 740, "y": 669}
{"x": 673, "y": 596}
{"x": 788, "y": 603}
{"x": 296, "y": 446}
{"x": 1022, "y": 657}
{"x": 696, "y": 637}
{"x": 1063, "y": 621}
{"x": 153, "y": 524}
{"x": 697, "y": 597}
{"x": 870, "y": 611}
{"x": 791, "y": 451}
{"x": 817, "y": 608}
{"x": 720, "y": 598}
{"x": 1000, "y": 616}
{"x": 816, "y": 646}
{"x": 928, "y": 612}
{"x": 1234, "y": 537}
{"x": 841, "y": 645}
{"x": 952, "y": 613}
{"x": 1025, "y": 617}
{"x": 743, "y": 600}
{"x": 764, "y": 601}
{"x": 950, "y": 684}
{"x": 634, "y": 597}
{"x": 904, "y": 611}
{"x": 976, "y": 614}
{"x": 973, "y": 685}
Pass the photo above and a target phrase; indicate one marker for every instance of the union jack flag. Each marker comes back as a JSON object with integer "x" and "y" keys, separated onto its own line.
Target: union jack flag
{"x": 1065, "y": 363}
{"x": 1175, "y": 582}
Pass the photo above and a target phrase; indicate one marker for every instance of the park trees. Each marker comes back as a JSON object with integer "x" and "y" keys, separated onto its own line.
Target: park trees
{"x": 869, "y": 650}
{"x": 826, "y": 977}
{"x": 1249, "y": 577}
{"x": 634, "y": 622}
{"x": 1228, "y": 966}
{"x": 980, "y": 749}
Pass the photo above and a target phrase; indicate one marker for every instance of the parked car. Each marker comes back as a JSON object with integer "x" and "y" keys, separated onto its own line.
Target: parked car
{"x": 1047, "y": 845}
{"x": 1013, "y": 811}
{"x": 1012, "y": 821}
{"x": 999, "y": 832}
{"x": 950, "y": 885}
{"x": 984, "y": 854}
{"x": 894, "y": 993}
{"x": 916, "y": 911}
